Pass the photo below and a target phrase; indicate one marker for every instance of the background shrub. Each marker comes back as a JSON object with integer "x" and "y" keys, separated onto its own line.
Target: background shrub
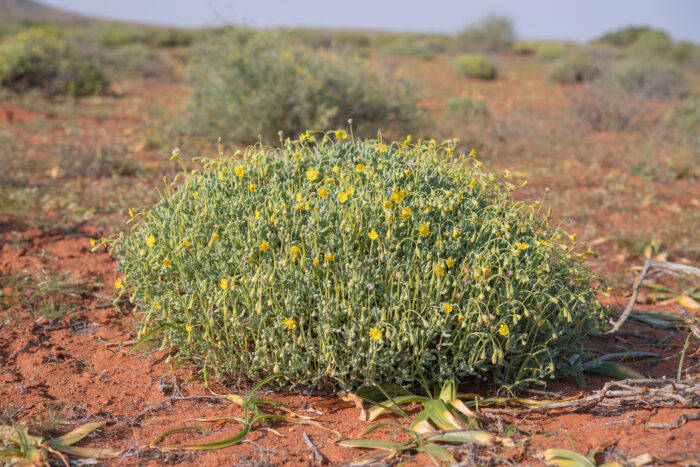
{"x": 467, "y": 105}
{"x": 603, "y": 106}
{"x": 475, "y": 66}
{"x": 133, "y": 59}
{"x": 410, "y": 48}
{"x": 550, "y": 51}
{"x": 573, "y": 68}
{"x": 625, "y": 36}
{"x": 40, "y": 59}
{"x": 248, "y": 84}
{"x": 651, "y": 78}
{"x": 342, "y": 263}
{"x": 494, "y": 34}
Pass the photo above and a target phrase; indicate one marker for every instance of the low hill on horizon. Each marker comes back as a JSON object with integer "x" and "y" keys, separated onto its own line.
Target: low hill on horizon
{"x": 35, "y": 11}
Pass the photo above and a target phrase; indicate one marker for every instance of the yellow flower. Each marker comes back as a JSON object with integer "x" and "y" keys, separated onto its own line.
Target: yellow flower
{"x": 373, "y": 235}
{"x": 350, "y": 191}
{"x": 383, "y": 148}
{"x": 408, "y": 173}
{"x": 335, "y": 169}
{"x": 323, "y": 192}
{"x": 315, "y": 261}
{"x": 150, "y": 241}
{"x": 460, "y": 318}
{"x": 131, "y": 213}
{"x": 424, "y": 229}
{"x": 450, "y": 262}
{"x": 175, "y": 153}
{"x": 299, "y": 197}
{"x": 329, "y": 257}
{"x": 223, "y": 284}
{"x": 342, "y": 197}
{"x": 188, "y": 328}
{"x": 167, "y": 263}
{"x": 92, "y": 242}
{"x": 341, "y": 134}
{"x": 195, "y": 194}
{"x": 118, "y": 284}
{"x": 456, "y": 233}
{"x": 220, "y": 175}
{"x": 264, "y": 246}
{"x": 158, "y": 306}
{"x": 439, "y": 271}
{"x": 240, "y": 171}
{"x": 360, "y": 168}
{"x": 503, "y": 330}
{"x": 215, "y": 237}
{"x": 472, "y": 153}
{"x": 295, "y": 251}
{"x": 543, "y": 243}
{"x": 472, "y": 184}
{"x": 312, "y": 174}
{"x": 297, "y": 156}
{"x": 522, "y": 246}
{"x": 388, "y": 205}
{"x": 407, "y": 141}
{"x": 396, "y": 196}
{"x": 375, "y": 334}
{"x": 405, "y": 214}
{"x": 541, "y": 323}
{"x": 252, "y": 188}
{"x": 447, "y": 308}
{"x": 289, "y": 323}
{"x": 506, "y": 173}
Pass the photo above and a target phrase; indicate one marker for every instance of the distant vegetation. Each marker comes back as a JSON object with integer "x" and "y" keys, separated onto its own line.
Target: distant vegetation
{"x": 251, "y": 84}
{"x": 41, "y": 59}
{"x": 494, "y": 34}
{"x": 475, "y": 66}
{"x": 574, "y": 67}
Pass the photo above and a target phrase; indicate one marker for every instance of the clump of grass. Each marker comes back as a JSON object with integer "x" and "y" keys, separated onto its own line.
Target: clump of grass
{"x": 649, "y": 78}
{"x": 336, "y": 262}
{"x": 249, "y": 84}
{"x": 573, "y": 68}
{"x": 603, "y": 106}
{"x": 410, "y": 47}
{"x": 40, "y": 59}
{"x": 475, "y": 66}
{"x": 467, "y": 105}
{"x": 494, "y": 34}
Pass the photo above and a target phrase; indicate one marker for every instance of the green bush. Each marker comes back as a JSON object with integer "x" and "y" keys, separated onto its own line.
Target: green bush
{"x": 625, "y": 36}
{"x": 475, "y": 66}
{"x": 248, "y": 84}
{"x": 134, "y": 59}
{"x": 40, "y": 59}
{"x": 550, "y": 51}
{"x": 494, "y": 34}
{"x": 348, "y": 262}
{"x": 651, "y": 44}
{"x": 573, "y": 68}
{"x": 651, "y": 78}
{"x": 467, "y": 105}
{"x": 410, "y": 48}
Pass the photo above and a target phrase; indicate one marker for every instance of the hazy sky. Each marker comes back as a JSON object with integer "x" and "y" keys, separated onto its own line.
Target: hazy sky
{"x": 579, "y": 20}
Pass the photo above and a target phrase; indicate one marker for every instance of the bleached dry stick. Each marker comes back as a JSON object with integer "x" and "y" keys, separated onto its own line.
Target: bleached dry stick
{"x": 664, "y": 266}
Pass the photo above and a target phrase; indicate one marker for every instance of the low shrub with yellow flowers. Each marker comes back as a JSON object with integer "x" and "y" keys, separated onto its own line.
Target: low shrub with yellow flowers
{"x": 339, "y": 262}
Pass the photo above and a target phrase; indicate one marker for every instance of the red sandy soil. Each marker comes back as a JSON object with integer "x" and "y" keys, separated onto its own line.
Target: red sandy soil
{"x": 80, "y": 360}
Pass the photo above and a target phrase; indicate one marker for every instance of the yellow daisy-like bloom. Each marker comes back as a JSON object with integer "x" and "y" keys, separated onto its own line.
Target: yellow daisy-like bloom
{"x": 220, "y": 175}
{"x": 350, "y": 191}
{"x": 195, "y": 194}
{"x": 215, "y": 237}
{"x": 360, "y": 168}
{"x": 240, "y": 171}
{"x": 335, "y": 169}
{"x": 264, "y": 246}
{"x": 388, "y": 205}
{"x": 289, "y": 323}
{"x": 341, "y": 134}
{"x": 297, "y": 156}
{"x": 447, "y": 308}
{"x": 375, "y": 334}
{"x": 329, "y": 257}
{"x": 424, "y": 230}
{"x": 167, "y": 263}
{"x": 186, "y": 242}
{"x": 252, "y": 188}
{"x": 450, "y": 262}
{"x": 118, "y": 284}
{"x": 408, "y": 173}
{"x": 150, "y": 241}
{"x": 223, "y": 283}
{"x": 299, "y": 197}
{"x": 257, "y": 214}
{"x": 439, "y": 271}
{"x": 456, "y": 233}
{"x": 461, "y": 318}
{"x": 373, "y": 235}
{"x": 406, "y": 214}
{"x": 396, "y": 197}
{"x": 295, "y": 251}
{"x": 316, "y": 261}
{"x": 342, "y": 197}
{"x": 407, "y": 141}
{"x": 522, "y": 246}
{"x": 543, "y": 243}
{"x": 503, "y": 330}
{"x": 188, "y": 328}
{"x": 383, "y": 148}
{"x": 131, "y": 213}
{"x": 322, "y": 192}
{"x": 472, "y": 153}
{"x": 312, "y": 174}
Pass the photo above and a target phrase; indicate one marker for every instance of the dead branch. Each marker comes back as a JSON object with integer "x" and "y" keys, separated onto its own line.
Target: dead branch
{"x": 317, "y": 455}
{"x": 665, "y": 267}
{"x": 680, "y": 421}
